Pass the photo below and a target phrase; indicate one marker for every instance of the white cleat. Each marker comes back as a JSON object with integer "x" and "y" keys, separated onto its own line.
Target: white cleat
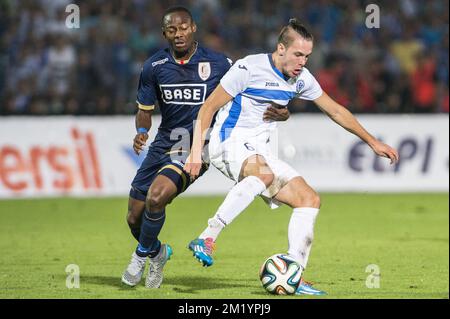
{"x": 156, "y": 265}
{"x": 133, "y": 274}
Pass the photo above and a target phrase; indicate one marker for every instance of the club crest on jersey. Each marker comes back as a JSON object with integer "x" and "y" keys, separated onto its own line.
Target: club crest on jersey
{"x": 300, "y": 85}
{"x": 204, "y": 70}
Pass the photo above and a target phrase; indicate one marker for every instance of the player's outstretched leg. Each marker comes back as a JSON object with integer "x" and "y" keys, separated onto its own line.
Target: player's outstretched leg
{"x": 239, "y": 197}
{"x": 305, "y": 203}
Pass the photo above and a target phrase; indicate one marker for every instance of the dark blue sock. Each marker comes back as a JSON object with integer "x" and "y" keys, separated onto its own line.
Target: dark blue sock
{"x": 152, "y": 222}
{"x": 136, "y": 232}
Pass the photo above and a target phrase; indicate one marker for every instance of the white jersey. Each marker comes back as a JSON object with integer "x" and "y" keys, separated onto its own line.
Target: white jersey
{"x": 255, "y": 82}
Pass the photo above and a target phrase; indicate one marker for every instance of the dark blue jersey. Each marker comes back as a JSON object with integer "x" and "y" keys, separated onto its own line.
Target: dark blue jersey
{"x": 180, "y": 89}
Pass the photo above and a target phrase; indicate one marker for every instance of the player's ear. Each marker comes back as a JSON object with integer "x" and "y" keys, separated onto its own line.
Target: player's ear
{"x": 194, "y": 27}
{"x": 281, "y": 49}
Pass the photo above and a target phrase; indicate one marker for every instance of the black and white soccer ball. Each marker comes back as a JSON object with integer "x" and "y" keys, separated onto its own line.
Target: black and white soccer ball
{"x": 280, "y": 274}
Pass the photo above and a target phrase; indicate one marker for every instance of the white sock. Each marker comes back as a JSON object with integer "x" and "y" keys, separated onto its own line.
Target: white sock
{"x": 237, "y": 199}
{"x": 301, "y": 233}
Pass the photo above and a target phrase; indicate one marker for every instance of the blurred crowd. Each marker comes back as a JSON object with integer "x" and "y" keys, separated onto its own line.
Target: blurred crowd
{"x": 47, "y": 68}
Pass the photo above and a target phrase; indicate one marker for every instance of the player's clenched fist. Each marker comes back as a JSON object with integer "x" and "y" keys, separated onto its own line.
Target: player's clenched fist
{"x": 139, "y": 142}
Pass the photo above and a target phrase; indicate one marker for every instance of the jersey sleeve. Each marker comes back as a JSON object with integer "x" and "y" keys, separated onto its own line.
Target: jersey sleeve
{"x": 225, "y": 65}
{"x": 236, "y": 80}
{"x": 312, "y": 89}
{"x": 146, "y": 94}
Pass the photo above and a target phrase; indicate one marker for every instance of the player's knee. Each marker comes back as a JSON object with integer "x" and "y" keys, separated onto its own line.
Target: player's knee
{"x": 267, "y": 179}
{"x": 264, "y": 173}
{"x": 310, "y": 199}
{"x": 256, "y": 166}
{"x": 156, "y": 200}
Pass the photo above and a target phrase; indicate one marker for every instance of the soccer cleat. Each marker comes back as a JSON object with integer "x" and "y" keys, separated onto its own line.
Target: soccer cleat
{"x": 156, "y": 265}
{"x": 306, "y": 288}
{"x": 133, "y": 274}
{"x": 202, "y": 249}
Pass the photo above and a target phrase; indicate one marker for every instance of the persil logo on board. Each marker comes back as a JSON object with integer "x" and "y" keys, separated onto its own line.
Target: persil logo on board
{"x": 186, "y": 94}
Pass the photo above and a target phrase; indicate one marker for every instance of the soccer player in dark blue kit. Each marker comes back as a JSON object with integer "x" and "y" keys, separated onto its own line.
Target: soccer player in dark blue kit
{"x": 179, "y": 78}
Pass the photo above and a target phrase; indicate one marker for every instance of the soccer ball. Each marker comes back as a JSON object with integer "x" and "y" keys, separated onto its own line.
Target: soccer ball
{"x": 280, "y": 274}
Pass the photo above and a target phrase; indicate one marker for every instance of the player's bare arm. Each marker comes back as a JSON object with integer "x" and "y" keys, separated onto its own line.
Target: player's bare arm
{"x": 345, "y": 118}
{"x": 143, "y": 120}
{"x": 218, "y": 98}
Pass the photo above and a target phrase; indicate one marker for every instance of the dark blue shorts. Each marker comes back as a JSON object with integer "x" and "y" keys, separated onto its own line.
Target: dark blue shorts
{"x": 158, "y": 162}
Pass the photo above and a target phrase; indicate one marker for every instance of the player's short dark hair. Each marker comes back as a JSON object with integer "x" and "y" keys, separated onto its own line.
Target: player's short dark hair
{"x": 176, "y": 9}
{"x": 295, "y": 25}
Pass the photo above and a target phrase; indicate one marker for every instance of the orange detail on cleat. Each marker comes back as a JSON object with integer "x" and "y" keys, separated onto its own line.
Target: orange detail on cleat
{"x": 307, "y": 283}
{"x": 210, "y": 245}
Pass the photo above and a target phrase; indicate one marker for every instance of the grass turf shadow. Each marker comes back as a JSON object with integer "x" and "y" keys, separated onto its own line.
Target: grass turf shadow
{"x": 187, "y": 284}
{"x": 193, "y": 284}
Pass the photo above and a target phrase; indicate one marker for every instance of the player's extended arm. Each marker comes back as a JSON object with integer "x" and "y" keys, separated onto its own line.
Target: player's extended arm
{"x": 345, "y": 118}
{"x": 143, "y": 125}
{"x": 218, "y": 98}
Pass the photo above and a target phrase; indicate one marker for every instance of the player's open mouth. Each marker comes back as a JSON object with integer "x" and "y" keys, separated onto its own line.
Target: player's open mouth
{"x": 297, "y": 71}
{"x": 180, "y": 44}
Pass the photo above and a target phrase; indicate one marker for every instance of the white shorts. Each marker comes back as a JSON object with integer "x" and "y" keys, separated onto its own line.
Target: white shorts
{"x": 228, "y": 157}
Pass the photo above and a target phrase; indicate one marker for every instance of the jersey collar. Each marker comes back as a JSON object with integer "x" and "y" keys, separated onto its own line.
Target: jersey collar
{"x": 281, "y": 75}
{"x": 182, "y": 62}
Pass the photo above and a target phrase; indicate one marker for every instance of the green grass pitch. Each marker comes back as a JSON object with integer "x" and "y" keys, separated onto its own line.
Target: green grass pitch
{"x": 405, "y": 235}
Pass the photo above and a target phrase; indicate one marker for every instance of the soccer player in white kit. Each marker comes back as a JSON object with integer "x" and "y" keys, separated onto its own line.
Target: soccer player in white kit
{"x": 239, "y": 145}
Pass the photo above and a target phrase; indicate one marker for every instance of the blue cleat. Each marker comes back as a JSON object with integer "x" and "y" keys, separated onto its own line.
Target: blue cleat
{"x": 202, "y": 250}
{"x": 306, "y": 288}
